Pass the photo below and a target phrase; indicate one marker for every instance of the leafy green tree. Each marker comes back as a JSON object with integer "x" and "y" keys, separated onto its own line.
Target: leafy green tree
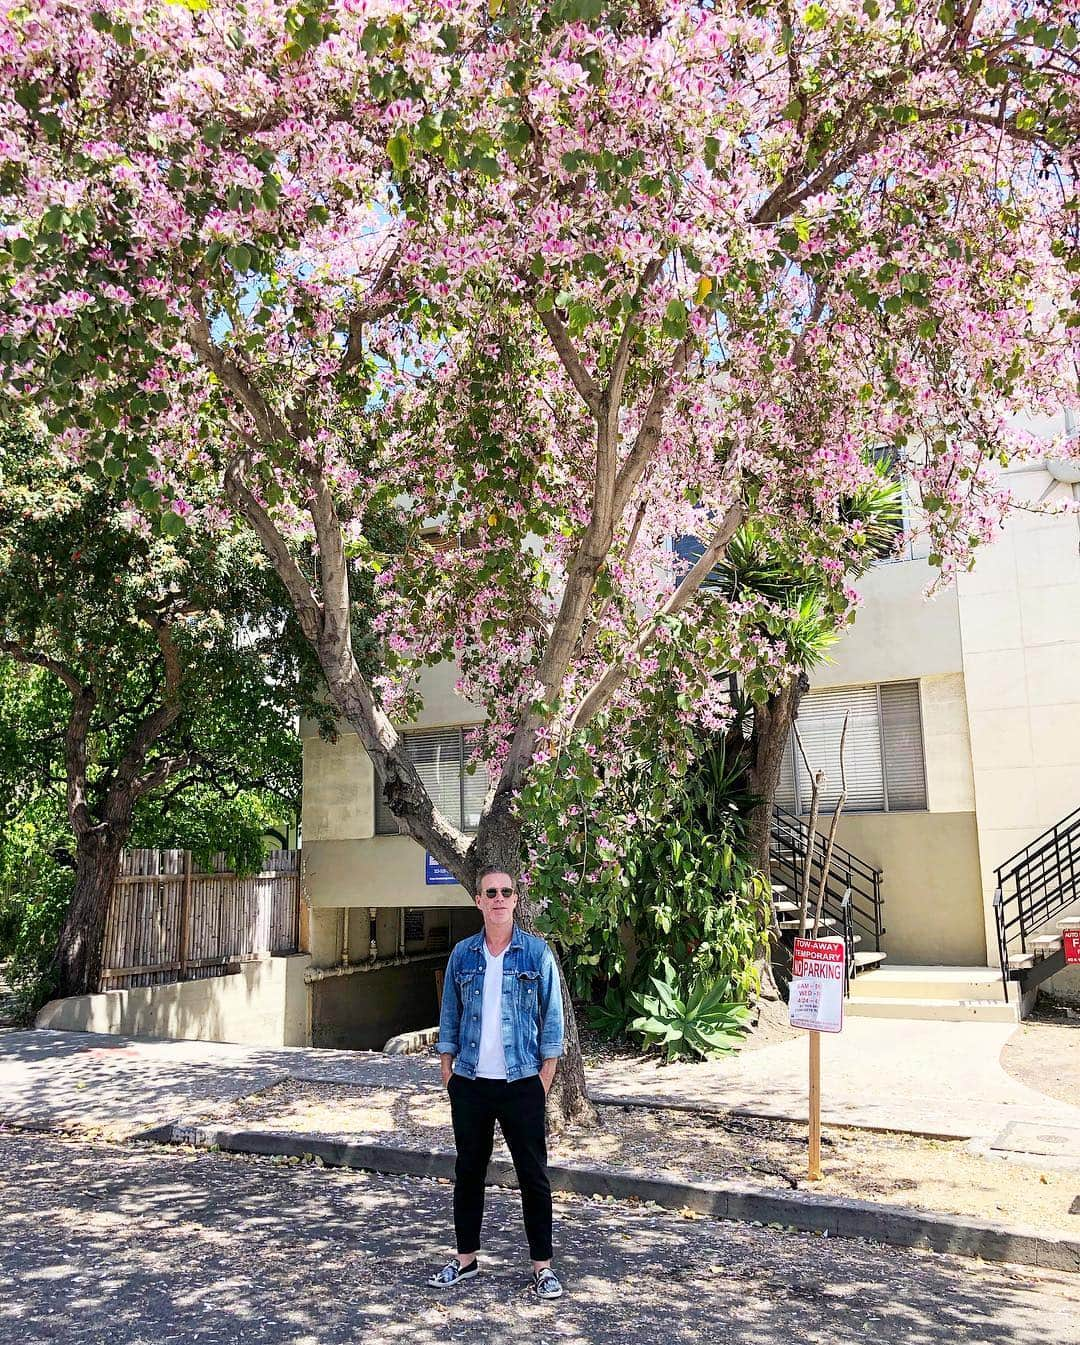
{"x": 150, "y": 693}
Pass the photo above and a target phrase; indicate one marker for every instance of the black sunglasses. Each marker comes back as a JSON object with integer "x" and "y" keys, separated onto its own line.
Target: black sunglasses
{"x": 496, "y": 891}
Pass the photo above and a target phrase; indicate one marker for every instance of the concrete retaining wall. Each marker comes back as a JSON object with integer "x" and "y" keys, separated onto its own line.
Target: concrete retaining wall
{"x": 1064, "y": 986}
{"x": 265, "y": 1003}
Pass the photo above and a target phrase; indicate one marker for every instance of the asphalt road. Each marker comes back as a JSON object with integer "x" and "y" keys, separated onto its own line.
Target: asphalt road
{"x": 135, "y": 1244}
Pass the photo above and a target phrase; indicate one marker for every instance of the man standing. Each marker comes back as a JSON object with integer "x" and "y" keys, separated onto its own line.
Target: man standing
{"x": 500, "y": 1037}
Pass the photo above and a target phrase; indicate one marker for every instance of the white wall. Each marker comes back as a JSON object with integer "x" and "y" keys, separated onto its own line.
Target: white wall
{"x": 1020, "y": 628}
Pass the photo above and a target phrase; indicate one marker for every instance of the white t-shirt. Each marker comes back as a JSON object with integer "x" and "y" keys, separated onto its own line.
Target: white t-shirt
{"x": 491, "y": 1062}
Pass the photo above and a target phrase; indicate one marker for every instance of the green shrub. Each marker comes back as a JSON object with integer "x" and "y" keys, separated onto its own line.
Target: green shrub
{"x": 643, "y": 868}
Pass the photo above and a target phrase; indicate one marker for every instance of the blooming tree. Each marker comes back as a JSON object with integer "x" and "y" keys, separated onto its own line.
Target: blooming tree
{"x": 564, "y": 280}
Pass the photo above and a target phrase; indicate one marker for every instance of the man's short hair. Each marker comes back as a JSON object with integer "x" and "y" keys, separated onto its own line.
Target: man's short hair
{"x": 491, "y": 868}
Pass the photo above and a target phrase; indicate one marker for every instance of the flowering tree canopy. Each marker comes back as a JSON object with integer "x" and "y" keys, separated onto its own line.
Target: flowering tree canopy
{"x": 564, "y": 280}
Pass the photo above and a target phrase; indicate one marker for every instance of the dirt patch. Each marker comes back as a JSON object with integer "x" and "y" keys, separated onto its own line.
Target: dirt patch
{"x": 893, "y": 1168}
{"x": 770, "y": 1028}
{"x": 1044, "y": 1054}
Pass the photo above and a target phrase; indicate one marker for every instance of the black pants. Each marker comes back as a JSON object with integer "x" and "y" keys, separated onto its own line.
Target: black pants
{"x": 475, "y": 1105}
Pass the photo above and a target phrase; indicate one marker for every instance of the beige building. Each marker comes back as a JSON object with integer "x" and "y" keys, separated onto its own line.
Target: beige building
{"x": 963, "y": 747}
{"x": 982, "y": 682}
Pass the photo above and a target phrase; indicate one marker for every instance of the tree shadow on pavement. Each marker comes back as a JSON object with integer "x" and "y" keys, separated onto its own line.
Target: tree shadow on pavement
{"x": 141, "y": 1244}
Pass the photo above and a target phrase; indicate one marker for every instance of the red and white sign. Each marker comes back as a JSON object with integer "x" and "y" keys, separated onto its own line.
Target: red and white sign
{"x": 1071, "y": 939}
{"x": 816, "y": 998}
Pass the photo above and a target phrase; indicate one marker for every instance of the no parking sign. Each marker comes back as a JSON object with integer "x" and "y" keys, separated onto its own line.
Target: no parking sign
{"x": 816, "y": 998}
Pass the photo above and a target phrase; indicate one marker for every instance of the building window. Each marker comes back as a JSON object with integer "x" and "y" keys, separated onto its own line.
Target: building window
{"x": 883, "y": 755}
{"x": 439, "y": 756}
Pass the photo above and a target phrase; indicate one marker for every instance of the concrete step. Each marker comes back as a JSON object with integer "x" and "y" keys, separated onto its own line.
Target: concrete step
{"x": 868, "y": 961}
{"x": 1046, "y": 945}
{"x": 940, "y": 1010}
{"x": 829, "y": 926}
{"x": 931, "y": 983}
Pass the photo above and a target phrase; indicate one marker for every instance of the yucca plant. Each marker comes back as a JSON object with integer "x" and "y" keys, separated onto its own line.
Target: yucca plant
{"x": 705, "y": 1023}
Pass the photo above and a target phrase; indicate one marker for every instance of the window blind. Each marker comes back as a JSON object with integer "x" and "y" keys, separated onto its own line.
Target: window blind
{"x": 883, "y": 754}
{"x": 439, "y": 758}
{"x": 901, "y": 733}
{"x": 821, "y": 723}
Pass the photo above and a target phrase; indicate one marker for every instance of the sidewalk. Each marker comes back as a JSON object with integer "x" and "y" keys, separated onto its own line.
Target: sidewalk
{"x": 929, "y": 1078}
{"x": 389, "y": 1114}
{"x": 941, "y": 1079}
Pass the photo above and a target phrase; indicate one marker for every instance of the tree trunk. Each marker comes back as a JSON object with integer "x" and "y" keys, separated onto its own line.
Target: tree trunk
{"x": 79, "y": 950}
{"x": 772, "y": 725}
{"x": 498, "y": 845}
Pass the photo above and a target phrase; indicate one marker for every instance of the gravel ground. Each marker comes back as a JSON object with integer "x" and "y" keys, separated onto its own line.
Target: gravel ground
{"x": 695, "y": 1146}
{"x": 134, "y": 1245}
{"x": 1044, "y": 1053}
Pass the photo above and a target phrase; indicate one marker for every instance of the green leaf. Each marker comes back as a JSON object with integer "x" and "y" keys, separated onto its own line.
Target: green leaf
{"x": 398, "y": 150}
{"x": 793, "y": 110}
{"x": 21, "y": 249}
{"x": 815, "y": 17}
{"x": 239, "y": 258}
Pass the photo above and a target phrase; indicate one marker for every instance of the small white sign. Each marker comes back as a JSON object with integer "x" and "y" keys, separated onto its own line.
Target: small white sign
{"x": 816, "y": 998}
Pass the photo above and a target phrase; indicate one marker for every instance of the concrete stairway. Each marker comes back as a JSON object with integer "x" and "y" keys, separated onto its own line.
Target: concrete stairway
{"x": 1046, "y": 942}
{"x": 949, "y": 994}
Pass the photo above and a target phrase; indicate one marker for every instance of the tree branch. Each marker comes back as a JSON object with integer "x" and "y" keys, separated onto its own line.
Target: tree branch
{"x": 605, "y": 687}
{"x": 571, "y": 361}
{"x": 621, "y": 361}
{"x": 84, "y": 699}
{"x": 238, "y": 381}
{"x": 588, "y": 640}
{"x": 404, "y": 791}
{"x": 648, "y": 435}
{"x": 149, "y": 731}
{"x": 374, "y": 307}
{"x": 159, "y": 774}
{"x": 305, "y": 604}
{"x": 21, "y": 654}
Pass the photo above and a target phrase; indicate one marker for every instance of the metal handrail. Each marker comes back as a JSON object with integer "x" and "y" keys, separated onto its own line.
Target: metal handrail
{"x": 1046, "y": 841}
{"x": 796, "y": 823}
{"x": 1003, "y": 951}
{"x": 1042, "y": 880}
{"x": 849, "y": 876}
{"x": 849, "y": 939}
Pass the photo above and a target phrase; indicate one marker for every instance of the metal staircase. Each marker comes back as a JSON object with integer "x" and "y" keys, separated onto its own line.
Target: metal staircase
{"x": 852, "y": 907}
{"x": 1037, "y": 894}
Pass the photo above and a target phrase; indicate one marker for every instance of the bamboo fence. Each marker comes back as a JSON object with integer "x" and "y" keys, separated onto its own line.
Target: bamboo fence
{"x": 167, "y": 922}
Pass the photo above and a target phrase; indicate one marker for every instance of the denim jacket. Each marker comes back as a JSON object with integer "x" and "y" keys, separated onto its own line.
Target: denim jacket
{"x": 532, "y": 1016}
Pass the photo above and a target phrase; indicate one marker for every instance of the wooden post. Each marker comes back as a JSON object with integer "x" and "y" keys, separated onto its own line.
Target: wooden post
{"x": 815, "y": 1107}
{"x": 185, "y": 917}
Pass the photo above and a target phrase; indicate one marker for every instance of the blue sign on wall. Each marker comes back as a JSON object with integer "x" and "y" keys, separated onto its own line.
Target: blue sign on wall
{"x": 436, "y": 874}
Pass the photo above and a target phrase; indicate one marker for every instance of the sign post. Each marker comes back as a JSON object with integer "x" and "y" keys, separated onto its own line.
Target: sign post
{"x": 816, "y": 1003}
{"x": 814, "y": 1155}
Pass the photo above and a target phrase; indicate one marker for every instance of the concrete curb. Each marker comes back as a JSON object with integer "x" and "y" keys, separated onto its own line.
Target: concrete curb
{"x": 829, "y": 1215}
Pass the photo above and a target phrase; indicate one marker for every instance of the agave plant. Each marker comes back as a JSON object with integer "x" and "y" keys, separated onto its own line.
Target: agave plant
{"x": 705, "y": 1023}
